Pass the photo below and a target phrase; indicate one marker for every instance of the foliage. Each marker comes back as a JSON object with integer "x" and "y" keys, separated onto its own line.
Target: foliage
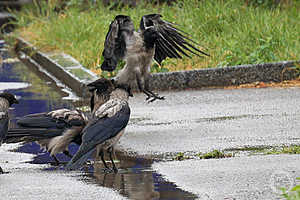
{"x": 232, "y": 32}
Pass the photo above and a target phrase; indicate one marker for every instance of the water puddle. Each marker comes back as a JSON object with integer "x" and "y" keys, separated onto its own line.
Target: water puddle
{"x": 135, "y": 180}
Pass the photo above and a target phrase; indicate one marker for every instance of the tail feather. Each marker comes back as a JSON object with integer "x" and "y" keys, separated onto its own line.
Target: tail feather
{"x": 78, "y": 160}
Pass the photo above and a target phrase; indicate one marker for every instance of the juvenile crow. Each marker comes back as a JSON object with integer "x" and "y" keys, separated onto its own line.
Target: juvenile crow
{"x": 105, "y": 128}
{"x": 156, "y": 39}
{"x": 6, "y": 100}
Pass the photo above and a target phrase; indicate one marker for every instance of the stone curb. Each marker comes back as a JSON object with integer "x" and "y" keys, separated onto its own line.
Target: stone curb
{"x": 74, "y": 75}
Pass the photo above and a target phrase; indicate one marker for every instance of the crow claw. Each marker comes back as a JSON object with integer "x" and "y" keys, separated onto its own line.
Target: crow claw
{"x": 154, "y": 97}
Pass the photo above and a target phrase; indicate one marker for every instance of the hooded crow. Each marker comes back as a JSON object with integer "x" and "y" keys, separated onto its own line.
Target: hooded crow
{"x": 6, "y": 100}
{"x": 53, "y": 131}
{"x": 105, "y": 128}
{"x": 156, "y": 39}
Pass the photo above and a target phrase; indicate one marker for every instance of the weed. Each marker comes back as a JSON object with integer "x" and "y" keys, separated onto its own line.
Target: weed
{"x": 214, "y": 154}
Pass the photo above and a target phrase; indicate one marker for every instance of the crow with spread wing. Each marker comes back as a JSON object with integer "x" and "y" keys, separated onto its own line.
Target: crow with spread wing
{"x": 156, "y": 39}
{"x": 105, "y": 128}
{"x": 53, "y": 131}
{"x": 6, "y": 100}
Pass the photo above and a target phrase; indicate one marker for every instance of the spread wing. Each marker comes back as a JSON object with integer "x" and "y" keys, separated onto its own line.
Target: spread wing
{"x": 115, "y": 44}
{"x": 98, "y": 131}
{"x": 16, "y": 135}
{"x": 46, "y": 125}
{"x": 58, "y": 119}
{"x": 169, "y": 41}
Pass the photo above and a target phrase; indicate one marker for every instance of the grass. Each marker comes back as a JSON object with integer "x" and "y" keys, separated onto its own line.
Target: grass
{"x": 283, "y": 150}
{"x": 233, "y": 32}
{"x": 209, "y": 155}
{"x": 293, "y": 194}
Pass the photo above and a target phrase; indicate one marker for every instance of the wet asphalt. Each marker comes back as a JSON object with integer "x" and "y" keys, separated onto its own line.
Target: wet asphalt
{"x": 204, "y": 120}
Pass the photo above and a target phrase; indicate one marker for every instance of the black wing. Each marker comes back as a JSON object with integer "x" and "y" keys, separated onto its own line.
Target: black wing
{"x": 41, "y": 120}
{"x": 96, "y": 133}
{"x": 47, "y": 120}
{"x": 3, "y": 128}
{"x": 169, "y": 41}
{"x": 115, "y": 45}
{"x": 39, "y": 126}
{"x": 31, "y": 134}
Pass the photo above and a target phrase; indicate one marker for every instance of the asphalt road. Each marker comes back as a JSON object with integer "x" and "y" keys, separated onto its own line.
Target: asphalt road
{"x": 253, "y": 177}
{"x": 203, "y": 120}
{"x": 29, "y": 181}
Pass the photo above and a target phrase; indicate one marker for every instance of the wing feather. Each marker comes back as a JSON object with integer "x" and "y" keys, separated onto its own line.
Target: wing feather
{"x": 171, "y": 41}
{"x": 115, "y": 44}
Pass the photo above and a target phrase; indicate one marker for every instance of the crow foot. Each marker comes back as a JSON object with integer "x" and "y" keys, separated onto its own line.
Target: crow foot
{"x": 3, "y": 172}
{"x": 151, "y": 97}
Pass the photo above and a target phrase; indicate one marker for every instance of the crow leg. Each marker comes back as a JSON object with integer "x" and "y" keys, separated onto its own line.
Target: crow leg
{"x": 143, "y": 86}
{"x": 1, "y": 171}
{"x": 110, "y": 151}
{"x": 67, "y": 153}
{"x": 101, "y": 154}
{"x": 56, "y": 160}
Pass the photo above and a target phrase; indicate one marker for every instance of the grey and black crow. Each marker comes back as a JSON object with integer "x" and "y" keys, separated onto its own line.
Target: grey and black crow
{"x": 156, "y": 39}
{"x": 106, "y": 127}
{"x": 53, "y": 131}
{"x": 6, "y": 100}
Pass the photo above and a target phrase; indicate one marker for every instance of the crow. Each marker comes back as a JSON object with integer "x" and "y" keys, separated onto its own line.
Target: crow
{"x": 156, "y": 38}
{"x": 6, "y": 100}
{"x": 105, "y": 128}
{"x": 53, "y": 130}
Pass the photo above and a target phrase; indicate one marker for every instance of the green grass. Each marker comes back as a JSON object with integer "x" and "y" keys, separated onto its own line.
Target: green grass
{"x": 283, "y": 150}
{"x": 209, "y": 155}
{"x": 215, "y": 154}
{"x": 232, "y": 32}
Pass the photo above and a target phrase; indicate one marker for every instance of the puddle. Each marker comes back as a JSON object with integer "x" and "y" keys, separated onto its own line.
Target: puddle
{"x": 136, "y": 179}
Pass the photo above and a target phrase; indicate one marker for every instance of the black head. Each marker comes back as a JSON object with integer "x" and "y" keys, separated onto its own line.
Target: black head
{"x": 147, "y": 20}
{"x": 125, "y": 23}
{"x": 122, "y": 17}
{"x": 9, "y": 97}
{"x": 101, "y": 85}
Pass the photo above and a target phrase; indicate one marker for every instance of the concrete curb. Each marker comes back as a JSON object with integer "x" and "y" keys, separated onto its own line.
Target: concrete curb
{"x": 225, "y": 76}
{"x": 62, "y": 66}
{"x": 74, "y": 75}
